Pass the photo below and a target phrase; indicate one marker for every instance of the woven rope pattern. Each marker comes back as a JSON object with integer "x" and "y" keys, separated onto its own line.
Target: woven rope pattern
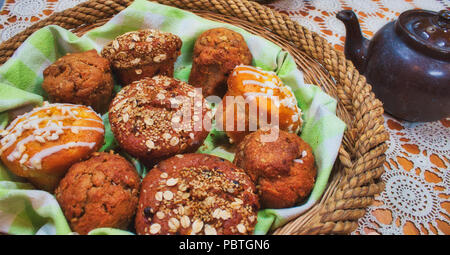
{"x": 355, "y": 179}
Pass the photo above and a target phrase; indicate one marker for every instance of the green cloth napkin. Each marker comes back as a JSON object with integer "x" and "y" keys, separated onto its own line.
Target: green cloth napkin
{"x": 24, "y": 210}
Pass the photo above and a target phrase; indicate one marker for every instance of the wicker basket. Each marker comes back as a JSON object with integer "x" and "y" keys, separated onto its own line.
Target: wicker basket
{"x": 355, "y": 179}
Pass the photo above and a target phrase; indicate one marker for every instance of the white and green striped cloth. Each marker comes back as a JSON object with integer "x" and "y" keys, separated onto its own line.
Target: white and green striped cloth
{"x": 24, "y": 210}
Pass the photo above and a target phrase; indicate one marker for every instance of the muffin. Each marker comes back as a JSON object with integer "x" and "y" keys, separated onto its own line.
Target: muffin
{"x": 144, "y": 53}
{"x": 283, "y": 170}
{"x": 42, "y": 144}
{"x": 99, "y": 192}
{"x": 216, "y": 53}
{"x": 80, "y": 78}
{"x": 196, "y": 194}
{"x": 262, "y": 91}
{"x": 156, "y": 118}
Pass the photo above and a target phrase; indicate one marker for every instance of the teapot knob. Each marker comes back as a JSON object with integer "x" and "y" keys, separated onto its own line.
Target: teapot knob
{"x": 444, "y": 19}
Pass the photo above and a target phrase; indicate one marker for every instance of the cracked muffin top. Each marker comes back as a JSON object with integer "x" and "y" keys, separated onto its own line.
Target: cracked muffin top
{"x": 80, "y": 78}
{"x": 99, "y": 192}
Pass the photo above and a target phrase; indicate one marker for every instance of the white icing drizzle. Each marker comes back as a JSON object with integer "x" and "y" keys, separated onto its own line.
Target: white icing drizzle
{"x": 256, "y": 74}
{"x": 289, "y": 101}
{"x": 36, "y": 160}
{"x": 51, "y": 131}
{"x": 259, "y": 94}
{"x": 13, "y": 155}
{"x": 266, "y": 84}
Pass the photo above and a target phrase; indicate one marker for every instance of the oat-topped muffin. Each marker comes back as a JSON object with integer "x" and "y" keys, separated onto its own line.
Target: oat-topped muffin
{"x": 196, "y": 194}
{"x": 150, "y": 120}
{"x": 144, "y": 53}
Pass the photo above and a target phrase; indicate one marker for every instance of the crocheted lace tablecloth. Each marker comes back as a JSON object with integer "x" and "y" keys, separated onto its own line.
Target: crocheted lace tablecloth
{"x": 416, "y": 199}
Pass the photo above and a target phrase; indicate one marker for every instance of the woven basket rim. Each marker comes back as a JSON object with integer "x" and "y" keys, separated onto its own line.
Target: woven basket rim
{"x": 361, "y": 156}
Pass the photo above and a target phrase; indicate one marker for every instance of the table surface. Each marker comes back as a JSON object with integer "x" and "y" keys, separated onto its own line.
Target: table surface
{"x": 416, "y": 199}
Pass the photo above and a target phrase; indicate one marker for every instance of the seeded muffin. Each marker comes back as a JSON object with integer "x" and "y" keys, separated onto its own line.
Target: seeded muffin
{"x": 144, "y": 53}
{"x": 99, "y": 192}
{"x": 42, "y": 144}
{"x": 196, "y": 194}
{"x": 80, "y": 78}
{"x": 216, "y": 52}
{"x": 283, "y": 170}
{"x": 151, "y": 123}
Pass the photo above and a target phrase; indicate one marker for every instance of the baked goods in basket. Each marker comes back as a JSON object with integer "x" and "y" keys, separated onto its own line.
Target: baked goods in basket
{"x": 99, "y": 192}
{"x": 80, "y": 78}
{"x": 216, "y": 52}
{"x": 144, "y": 53}
{"x": 156, "y": 118}
{"x": 42, "y": 144}
{"x": 256, "y": 99}
{"x": 282, "y": 168}
{"x": 196, "y": 194}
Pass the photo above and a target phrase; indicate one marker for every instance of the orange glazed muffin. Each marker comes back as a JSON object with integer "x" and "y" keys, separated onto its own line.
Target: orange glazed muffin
{"x": 283, "y": 170}
{"x": 196, "y": 194}
{"x": 270, "y": 96}
{"x": 216, "y": 52}
{"x": 151, "y": 122}
{"x": 43, "y": 143}
{"x": 80, "y": 78}
{"x": 99, "y": 192}
{"x": 144, "y": 53}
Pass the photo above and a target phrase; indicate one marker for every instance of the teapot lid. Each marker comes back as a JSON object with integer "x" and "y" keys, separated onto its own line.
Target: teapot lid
{"x": 427, "y": 30}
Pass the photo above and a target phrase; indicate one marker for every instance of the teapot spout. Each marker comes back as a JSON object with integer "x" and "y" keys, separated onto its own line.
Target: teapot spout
{"x": 355, "y": 44}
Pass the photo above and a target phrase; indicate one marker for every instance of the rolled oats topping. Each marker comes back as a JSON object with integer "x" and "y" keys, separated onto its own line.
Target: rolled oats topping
{"x": 142, "y": 47}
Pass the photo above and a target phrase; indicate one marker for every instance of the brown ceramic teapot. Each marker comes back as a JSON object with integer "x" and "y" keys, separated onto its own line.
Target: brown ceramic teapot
{"x": 407, "y": 62}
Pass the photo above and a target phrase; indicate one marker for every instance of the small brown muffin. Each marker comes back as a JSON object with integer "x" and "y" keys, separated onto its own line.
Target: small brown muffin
{"x": 283, "y": 170}
{"x": 80, "y": 78}
{"x": 216, "y": 52}
{"x": 196, "y": 194}
{"x": 151, "y": 122}
{"x": 42, "y": 144}
{"x": 144, "y": 53}
{"x": 99, "y": 192}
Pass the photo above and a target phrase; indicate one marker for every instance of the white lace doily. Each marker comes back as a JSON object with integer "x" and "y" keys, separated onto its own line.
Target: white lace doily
{"x": 417, "y": 181}
{"x": 21, "y": 14}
